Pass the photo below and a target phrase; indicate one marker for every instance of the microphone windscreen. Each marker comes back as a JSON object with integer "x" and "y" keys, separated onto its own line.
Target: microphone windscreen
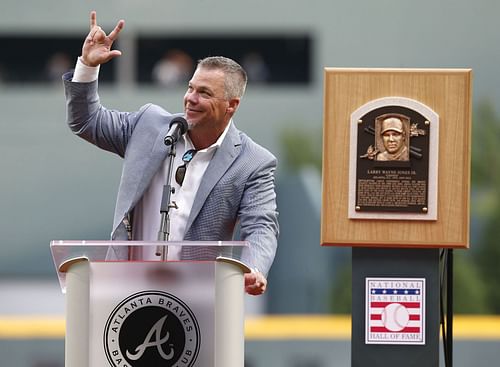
{"x": 183, "y": 125}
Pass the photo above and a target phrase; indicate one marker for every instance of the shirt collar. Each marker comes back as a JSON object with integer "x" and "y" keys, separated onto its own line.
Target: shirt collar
{"x": 189, "y": 144}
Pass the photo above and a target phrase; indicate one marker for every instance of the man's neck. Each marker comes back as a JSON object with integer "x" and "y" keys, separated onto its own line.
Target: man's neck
{"x": 204, "y": 138}
{"x": 201, "y": 141}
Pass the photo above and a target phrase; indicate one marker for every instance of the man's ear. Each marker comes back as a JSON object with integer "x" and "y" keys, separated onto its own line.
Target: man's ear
{"x": 232, "y": 106}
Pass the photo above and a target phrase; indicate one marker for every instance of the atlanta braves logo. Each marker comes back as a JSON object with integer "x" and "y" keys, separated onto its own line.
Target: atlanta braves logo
{"x": 157, "y": 342}
{"x": 152, "y": 328}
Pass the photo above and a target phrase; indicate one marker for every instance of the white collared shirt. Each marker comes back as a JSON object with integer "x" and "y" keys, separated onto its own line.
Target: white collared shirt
{"x": 147, "y": 217}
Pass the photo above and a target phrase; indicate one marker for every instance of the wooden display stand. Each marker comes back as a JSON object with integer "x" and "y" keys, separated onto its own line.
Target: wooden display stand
{"x": 448, "y": 93}
{"x": 396, "y": 208}
{"x": 126, "y": 313}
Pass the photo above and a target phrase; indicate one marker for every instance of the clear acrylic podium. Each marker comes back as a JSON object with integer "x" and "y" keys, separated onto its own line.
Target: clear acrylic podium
{"x": 134, "y": 313}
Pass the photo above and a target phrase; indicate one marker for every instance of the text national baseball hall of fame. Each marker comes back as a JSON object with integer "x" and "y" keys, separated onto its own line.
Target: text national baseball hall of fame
{"x": 395, "y": 309}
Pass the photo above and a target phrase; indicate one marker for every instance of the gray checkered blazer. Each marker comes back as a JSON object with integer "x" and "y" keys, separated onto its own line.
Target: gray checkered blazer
{"x": 237, "y": 189}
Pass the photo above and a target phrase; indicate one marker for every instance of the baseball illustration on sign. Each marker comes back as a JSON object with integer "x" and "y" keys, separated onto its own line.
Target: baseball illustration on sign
{"x": 395, "y": 311}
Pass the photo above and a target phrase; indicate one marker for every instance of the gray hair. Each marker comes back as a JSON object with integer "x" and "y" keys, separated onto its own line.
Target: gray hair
{"x": 235, "y": 76}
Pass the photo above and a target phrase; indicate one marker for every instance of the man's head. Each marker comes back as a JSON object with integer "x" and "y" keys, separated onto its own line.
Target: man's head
{"x": 214, "y": 93}
{"x": 235, "y": 75}
{"x": 393, "y": 134}
{"x": 392, "y": 124}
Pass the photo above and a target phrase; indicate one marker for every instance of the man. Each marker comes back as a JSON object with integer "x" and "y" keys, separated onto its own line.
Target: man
{"x": 394, "y": 140}
{"x": 228, "y": 179}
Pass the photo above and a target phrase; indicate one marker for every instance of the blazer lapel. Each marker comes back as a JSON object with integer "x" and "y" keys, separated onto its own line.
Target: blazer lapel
{"x": 148, "y": 165}
{"x": 155, "y": 159}
{"x": 141, "y": 171}
{"x": 221, "y": 161}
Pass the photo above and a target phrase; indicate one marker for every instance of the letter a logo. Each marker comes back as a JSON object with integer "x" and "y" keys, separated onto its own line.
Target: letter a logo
{"x": 145, "y": 334}
{"x": 157, "y": 342}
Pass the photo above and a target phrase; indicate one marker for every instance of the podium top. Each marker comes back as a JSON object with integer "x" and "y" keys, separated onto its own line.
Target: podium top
{"x": 67, "y": 253}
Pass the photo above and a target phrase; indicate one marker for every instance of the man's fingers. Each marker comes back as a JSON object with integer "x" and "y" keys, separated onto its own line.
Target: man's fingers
{"x": 250, "y": 279}
{"x": 94, "y": 28}
{"x": 96, "y": 35}
{"x": 255, "y": 283}
{"x": 93, "y": 19}
{"x": 114, "y": 53}
{"x": 256, "y": 289}
{"x": 94, "y": 31}
{"x": 114, "y": 33}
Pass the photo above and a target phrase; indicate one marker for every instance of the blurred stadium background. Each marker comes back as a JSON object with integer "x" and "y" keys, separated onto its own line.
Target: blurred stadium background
{"x": 54, "y": 186}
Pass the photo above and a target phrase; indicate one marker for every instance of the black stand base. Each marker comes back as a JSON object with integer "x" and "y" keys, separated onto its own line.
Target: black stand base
{"x": 395, "y": 263}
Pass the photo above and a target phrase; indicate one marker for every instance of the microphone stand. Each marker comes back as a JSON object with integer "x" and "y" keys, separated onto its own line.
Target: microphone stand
{"x": 165, "y": 206}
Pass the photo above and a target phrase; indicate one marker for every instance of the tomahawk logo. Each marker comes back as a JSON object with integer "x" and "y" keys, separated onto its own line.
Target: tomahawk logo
{"x": 152, "y": 328}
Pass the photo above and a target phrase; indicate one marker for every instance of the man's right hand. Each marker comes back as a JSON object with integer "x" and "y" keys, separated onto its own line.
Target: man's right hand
{"x": 96, "y": 49}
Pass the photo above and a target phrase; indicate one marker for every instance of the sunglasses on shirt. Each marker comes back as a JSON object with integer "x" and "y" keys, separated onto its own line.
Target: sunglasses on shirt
{"x": 180, "y": 173}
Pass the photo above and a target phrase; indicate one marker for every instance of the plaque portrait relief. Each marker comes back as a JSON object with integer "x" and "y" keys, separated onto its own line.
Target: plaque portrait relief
{"x": 391, "y": 132}
{"x": 393, "y": 161}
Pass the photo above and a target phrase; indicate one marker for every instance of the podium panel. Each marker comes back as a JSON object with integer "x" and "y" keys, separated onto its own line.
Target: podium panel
{"x": 145, "y": 313}
{"x": 162, "y": 313}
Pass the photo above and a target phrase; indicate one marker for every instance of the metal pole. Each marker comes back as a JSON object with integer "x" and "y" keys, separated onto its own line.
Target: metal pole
{"x": 449, "y": 308}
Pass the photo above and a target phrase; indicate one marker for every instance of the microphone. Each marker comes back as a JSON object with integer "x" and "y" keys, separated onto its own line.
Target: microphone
{"x": 178, "y": 126}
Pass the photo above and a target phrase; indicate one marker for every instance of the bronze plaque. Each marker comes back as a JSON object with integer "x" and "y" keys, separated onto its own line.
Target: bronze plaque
{"x": 392, "y": 160}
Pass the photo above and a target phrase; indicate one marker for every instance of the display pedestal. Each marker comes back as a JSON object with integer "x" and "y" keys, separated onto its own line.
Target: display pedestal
{"x": 396, "y": 187}
{"x": 400, "y": 264}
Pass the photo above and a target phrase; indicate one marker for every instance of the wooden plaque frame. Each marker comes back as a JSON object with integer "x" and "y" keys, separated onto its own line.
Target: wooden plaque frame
{"x": 447, "y": 92}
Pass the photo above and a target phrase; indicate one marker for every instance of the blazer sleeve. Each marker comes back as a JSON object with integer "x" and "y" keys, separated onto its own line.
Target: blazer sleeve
{"x": 258, "y": 217}
{"x": 87, "y": 118}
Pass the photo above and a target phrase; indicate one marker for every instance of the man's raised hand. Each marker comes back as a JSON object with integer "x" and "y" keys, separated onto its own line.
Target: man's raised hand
{"x": 96, "y": 49}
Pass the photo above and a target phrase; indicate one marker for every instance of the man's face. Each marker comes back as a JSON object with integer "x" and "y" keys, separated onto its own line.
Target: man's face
{"x": 204, "y": 102}
{"x": 393, "y": 141}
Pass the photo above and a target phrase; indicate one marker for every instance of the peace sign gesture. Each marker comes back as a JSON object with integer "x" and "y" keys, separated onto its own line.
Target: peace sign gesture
{"x": 96, "y": 49}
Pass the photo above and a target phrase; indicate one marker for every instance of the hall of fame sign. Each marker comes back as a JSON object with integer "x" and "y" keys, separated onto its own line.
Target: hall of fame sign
{"x": 393, "y": 160}
{"x": 395, "y": 311}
